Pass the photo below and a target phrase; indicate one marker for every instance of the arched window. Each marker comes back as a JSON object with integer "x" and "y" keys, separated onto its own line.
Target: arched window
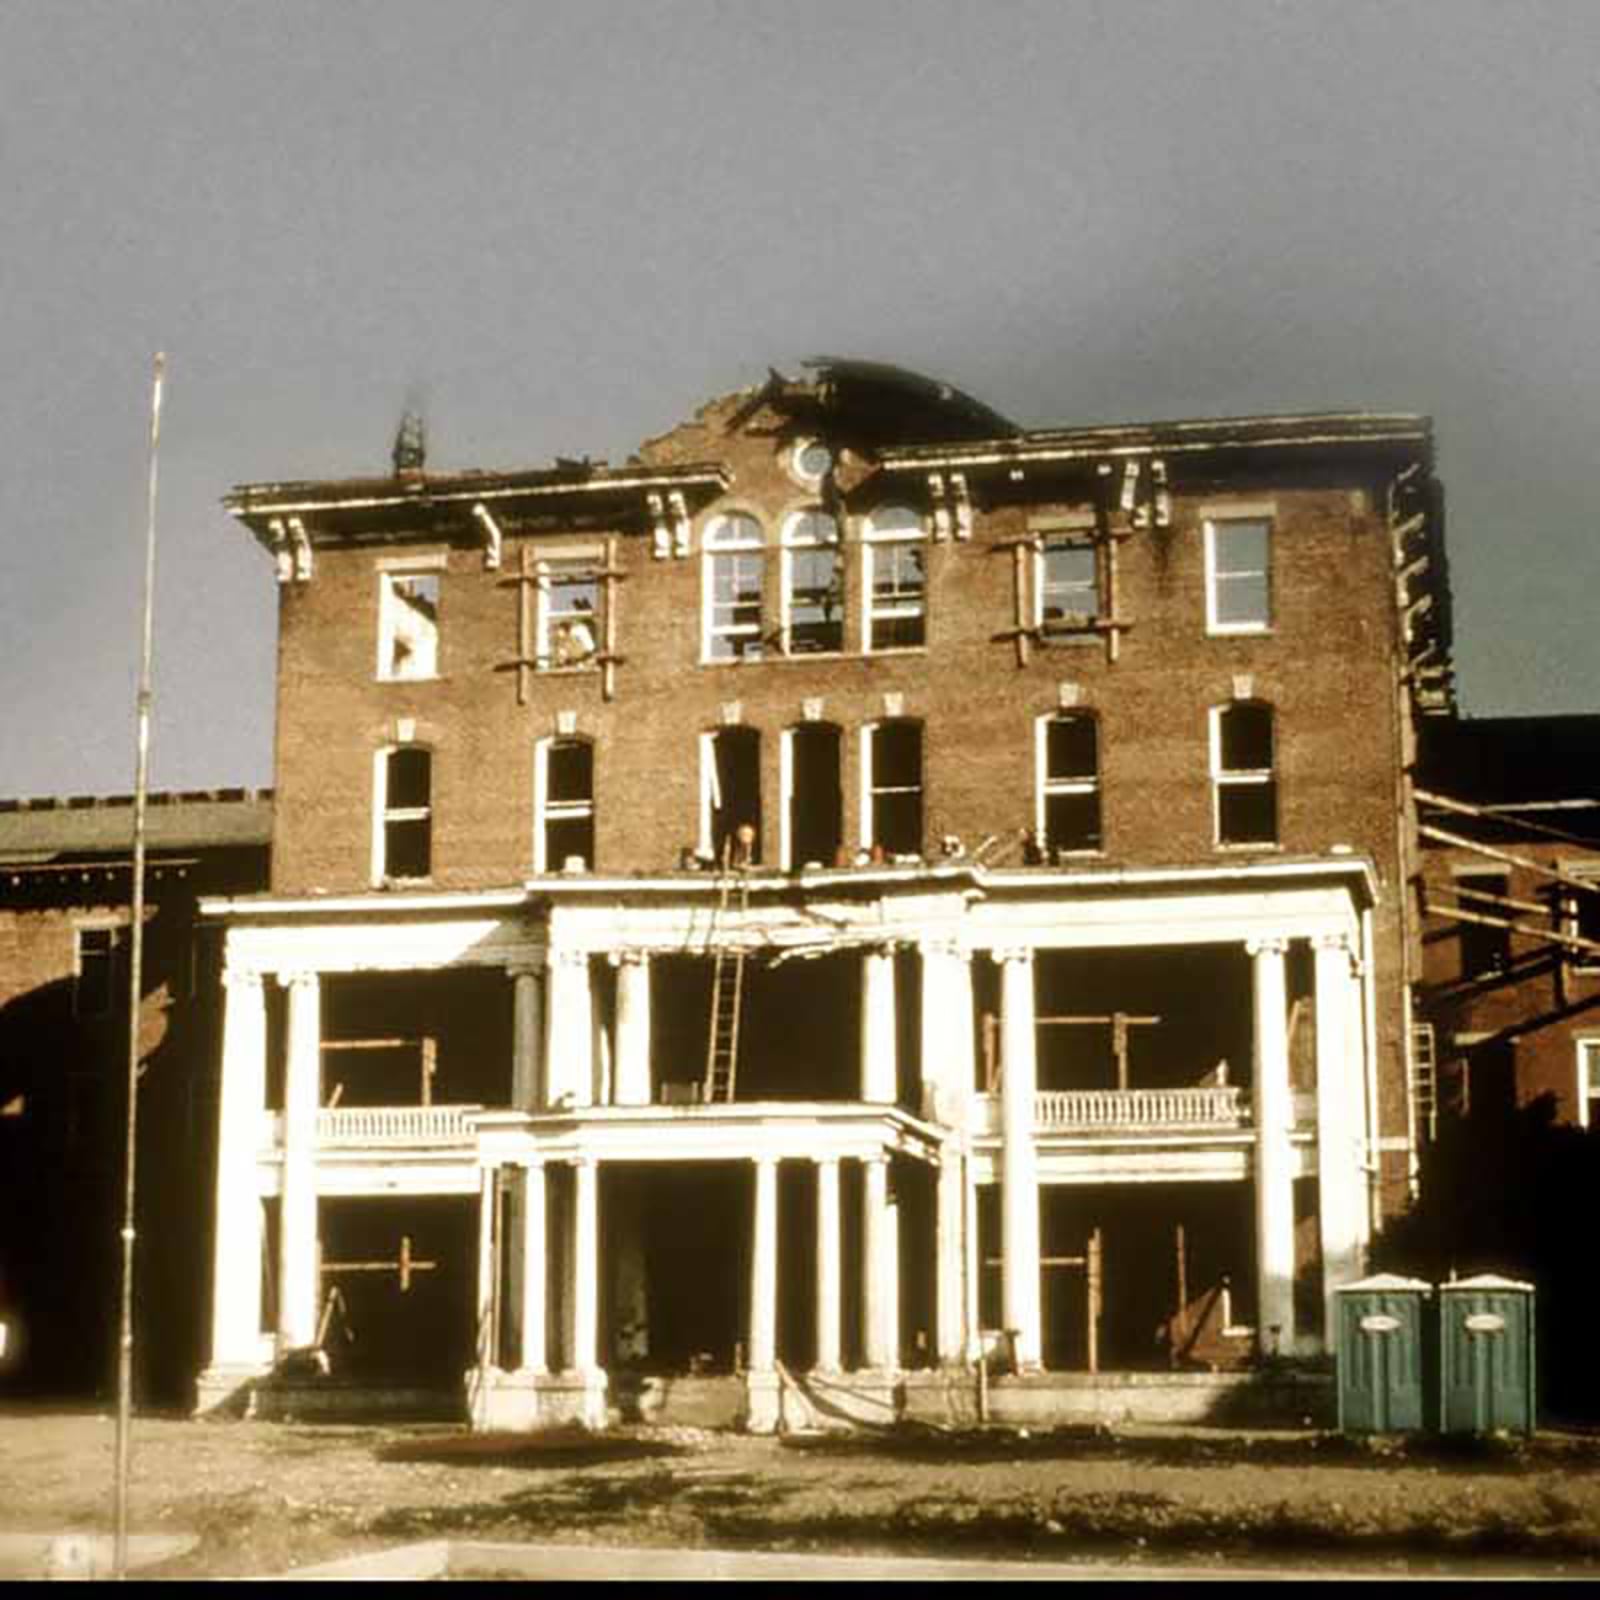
{"x": 895, "y": 579}
{"x": 1068, "y": 765}
{"x": 1242, "y": 776}
{"x": 735, "y": 562}
{"x": 403, "y": 808}
{"x": 813, "y": 585}
{"x": 563, "y": 805}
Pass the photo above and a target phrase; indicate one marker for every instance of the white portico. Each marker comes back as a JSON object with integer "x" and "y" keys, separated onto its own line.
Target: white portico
{"x": 844, "y": 1179}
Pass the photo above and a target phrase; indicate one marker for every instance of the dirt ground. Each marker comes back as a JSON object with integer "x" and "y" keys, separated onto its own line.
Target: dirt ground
{"x": 264, "y": 1498}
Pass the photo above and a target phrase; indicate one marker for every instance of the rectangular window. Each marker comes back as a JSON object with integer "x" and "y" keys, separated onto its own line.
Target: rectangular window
{"x": 730, "y": 794}
{"x": 893, "y": 774}
{"x": 1238, "y": 575}
{"x": 94, "y": 987}
{"x": 408, "y": 625}
{"x": 1068, "y": 584}
{"x": 564, "y": 805}
{"x": 1243, "y": 781}
{"x": 813, "y": 585}
{"x": 405, "y": 811}
{"x": 812, "y": 770}
{"x": 1582, "y": 918}
{"x": 1589, "y": 1082}
{"x": 569, "y": 613}
{"x": 1484, "y": 950}
{"x": 894, "y": 554}
{"x": 1069, "y": 784}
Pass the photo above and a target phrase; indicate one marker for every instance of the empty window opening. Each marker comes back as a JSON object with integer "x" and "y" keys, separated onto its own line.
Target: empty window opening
{"x": 895, "y": 553}
{"x": 569, "y": 613}
{"x": 1582, "y": 918}
{"x": 735, "y": 565}
{"x": 95, "y": 985}
{"x": 893, "y": 773}
{"x": 1485, "y": 951}
{"x": 564, "y": 805}
{"x": 1242, "y": 773}
{"x": 813, "y": 585}
{"x": 1238, "y": 575}
{"x": 731, "y": 795}
{"x": 1589, "y": 1083}
{"x": 1068, "y": 583}
{"x": 398, "y": 1282}
{"x": 408, "y": 625}
{"x": 816, "y": 795}
{"x": 405, "y": 805}
{"x": 1069, "y": 783}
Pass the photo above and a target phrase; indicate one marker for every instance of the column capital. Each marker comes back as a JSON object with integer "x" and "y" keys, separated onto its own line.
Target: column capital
{"x": 1271, "y": 945}
{"x": 298, "y": 980}
{"x": 628, "y": 958}
{"x": 763, "y": 1158}
{"x": 241, "y": 980}
{"x": 568, "y": 958}
{"x": 1004, "y": 955}
{"x": 580, "y": 1163}
{"x": 524, "y": 969}
{"x": 529, "y": 1164}
{"x": 883, "y": 947}
{"x": 1333, "y": 941}
{"x": 825, "y": 1161}
{"x": 877, "y": 1158}
{"x": 945, "y": 947}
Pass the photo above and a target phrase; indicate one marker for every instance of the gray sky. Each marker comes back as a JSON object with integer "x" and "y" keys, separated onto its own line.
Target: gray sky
{"x": 562, "y": 226}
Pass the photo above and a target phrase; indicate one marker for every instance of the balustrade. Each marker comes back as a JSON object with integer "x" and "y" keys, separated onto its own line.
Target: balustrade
{"x": 1085, "y": 1109}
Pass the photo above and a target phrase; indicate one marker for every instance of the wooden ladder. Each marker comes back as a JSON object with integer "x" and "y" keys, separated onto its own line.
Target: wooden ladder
{"x": 727, "y": 995}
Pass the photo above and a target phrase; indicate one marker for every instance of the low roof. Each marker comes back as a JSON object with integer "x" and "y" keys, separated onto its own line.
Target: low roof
{"x": 37, "y": 830}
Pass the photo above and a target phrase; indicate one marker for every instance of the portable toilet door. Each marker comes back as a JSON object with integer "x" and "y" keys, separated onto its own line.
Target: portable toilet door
{"x": 1486, "y": 1366}
{"x": 1380, "y": 1354}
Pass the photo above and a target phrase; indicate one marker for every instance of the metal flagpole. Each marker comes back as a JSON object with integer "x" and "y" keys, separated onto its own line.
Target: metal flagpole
{"x": 141, "y": 785}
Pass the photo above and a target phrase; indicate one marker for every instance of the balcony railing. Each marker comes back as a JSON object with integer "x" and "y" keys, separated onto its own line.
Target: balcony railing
{"x": 1084, "y": 1110}
{"x": 395, "y": 1125}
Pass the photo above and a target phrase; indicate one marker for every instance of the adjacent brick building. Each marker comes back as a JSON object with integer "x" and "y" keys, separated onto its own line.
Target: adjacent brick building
{"x": 747, "y": 921}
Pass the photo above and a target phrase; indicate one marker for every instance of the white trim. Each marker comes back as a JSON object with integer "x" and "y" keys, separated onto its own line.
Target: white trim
{"x": 791, "y": 461}
{"x": 1588, "y": 1053}
{"x": 709, "y": 795}
{"x": 419, "y": 561}
{"x": 868, "y": 789}
{"x": 389, "y": 615}
{"x": 1242, "y": 777}
{"x": 382, "y": 815}
{"x": 563, "y": 810}
{"x": 1067, "y": 539}
{"x": 581, "y": 567}
{"x": 1585, "y": 963}
{"x": 1213, "y": 626}
{"x": 1044, "y": 787}
{"x": 786, "y": 799}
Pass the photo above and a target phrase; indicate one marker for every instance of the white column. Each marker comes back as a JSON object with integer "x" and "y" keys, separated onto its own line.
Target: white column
{"x": 585, "y": 1265}
{"x": 569, "y": 1030}
{"x": 879, "y": 1070}
{"x": 950, "y": 1296}
{"x": 877, "y": 1290}
{"x": 236, "y": 1276}
{"x": 1341, "y": 1080}
{"x": 632, "y": 1081}
{"x": 488, "y": 1332}
{"x": 298, "y": 1277}
{"x": 527, "y": 1038}
{"x": 1274, "y": 1116}
{"x": 534, "y": 1269}
{"x": 947, "y": 1042}
{"x": 1019, "y": 1172}
{"x": 830, "y": 1279}
{"x": 764, "y": 1268}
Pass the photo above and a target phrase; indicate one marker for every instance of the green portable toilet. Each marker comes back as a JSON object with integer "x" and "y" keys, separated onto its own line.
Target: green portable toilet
{"x": 1486, "y": 1356}
{"x": 1381, "y": 1346}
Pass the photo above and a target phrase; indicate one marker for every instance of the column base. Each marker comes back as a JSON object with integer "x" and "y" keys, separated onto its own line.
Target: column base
{"x": 523, "y": 1402}
{"x": 817, "y": 1401}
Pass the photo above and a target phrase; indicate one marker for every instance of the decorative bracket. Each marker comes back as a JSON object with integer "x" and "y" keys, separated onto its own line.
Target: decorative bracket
{"x": 493, "y": 540}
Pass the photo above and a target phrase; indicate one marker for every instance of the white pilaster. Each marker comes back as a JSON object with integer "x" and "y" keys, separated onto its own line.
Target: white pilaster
{"x": 947, "y": 1038}
{"x": 527, "y": 1038}
{"x": 488, "y": 1340}
{"x": 876, "y": 1289}
{"x": 569, "y": 1030}
{"x": 236, "y": 1277}
{"x": 950, "y": 1332}
{"x": 298, "y": 1276}
{"x": 879, "y": 1069}
{"x": 764, "y": 1268}
{"x": 534, "y": 1269}
{"x": 1019, "y": 1174}
{"x": 830, "y": 1280}
{"x": 1274, "y": 1116}
{"x": 585, "y": 1265}
{"x": 1341, "y": 1081}
{"x": 632, "y": 1081}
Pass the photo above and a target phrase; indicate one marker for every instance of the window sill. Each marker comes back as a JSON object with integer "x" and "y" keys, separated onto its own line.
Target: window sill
{"x": 432, "y": 677}
{"x": 1262, "y": 847}
{"x": 899, "y": 650}
{"x": 1248, "y": 630}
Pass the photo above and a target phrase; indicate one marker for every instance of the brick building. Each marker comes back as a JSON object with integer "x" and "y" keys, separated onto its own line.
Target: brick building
{"x": 745, "y": 921}
{"x": 65, "y": 893}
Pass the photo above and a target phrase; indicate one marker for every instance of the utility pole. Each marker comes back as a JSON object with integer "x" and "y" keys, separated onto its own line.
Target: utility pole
{"x": 141, "y": 785}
